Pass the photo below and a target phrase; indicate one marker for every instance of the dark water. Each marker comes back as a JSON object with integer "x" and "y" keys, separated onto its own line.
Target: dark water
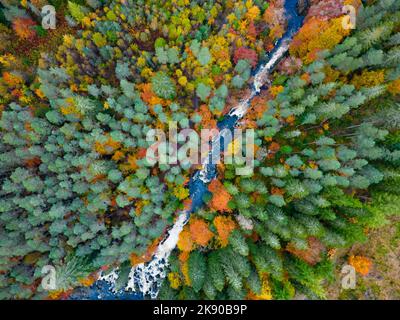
{"x": 101, "y": 290}
{"x": 198, "y": 188}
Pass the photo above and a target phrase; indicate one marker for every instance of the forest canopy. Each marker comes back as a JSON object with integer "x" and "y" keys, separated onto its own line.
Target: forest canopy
{"x": 77, "y": 101}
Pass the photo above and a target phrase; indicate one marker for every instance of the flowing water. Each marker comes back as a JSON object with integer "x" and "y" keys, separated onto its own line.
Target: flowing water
{"x": 145, "y": 279}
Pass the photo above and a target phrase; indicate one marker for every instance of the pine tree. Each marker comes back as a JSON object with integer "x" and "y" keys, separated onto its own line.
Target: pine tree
{"x": 197, "y": 270}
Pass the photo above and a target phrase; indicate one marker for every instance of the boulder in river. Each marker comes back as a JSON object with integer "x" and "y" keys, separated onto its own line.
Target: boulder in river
{"x": 302, "y": 6}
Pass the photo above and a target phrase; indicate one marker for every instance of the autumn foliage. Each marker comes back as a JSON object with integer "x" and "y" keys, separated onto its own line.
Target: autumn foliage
{"x": 307, "y": 43}
{"x": 274, "y": 17}
{"x": 224, "y": 225}
{"x": 368, "y": 79}
{"x": 108, "y": 147}
{"x": 23, "y": 27}
{"x": 394, "y": 87}
{"x": 246, "y": 53}
{"x": 266, "y": 293}
{"x": 361, "y": 264}
{"x": 185, "y": 242}
{"x": 312, "y": 254}
{"x": 11, "y": 79}
{"x": 220, "y": 197}
{"x": 200, "y": 232}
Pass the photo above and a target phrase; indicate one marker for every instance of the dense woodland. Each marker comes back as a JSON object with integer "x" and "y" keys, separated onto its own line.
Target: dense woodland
{"x": 76, "y": 103}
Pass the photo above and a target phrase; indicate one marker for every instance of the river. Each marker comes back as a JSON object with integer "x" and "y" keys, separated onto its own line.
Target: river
{"x": 145, "y": 278}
